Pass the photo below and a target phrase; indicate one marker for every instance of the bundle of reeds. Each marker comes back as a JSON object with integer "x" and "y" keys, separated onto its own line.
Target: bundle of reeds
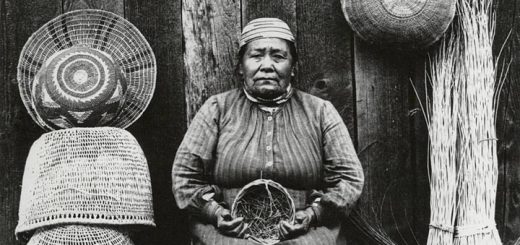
{"x": 461, "y": 123}
{"x": 441, "y": 114}
{"x": 478, "y": 163}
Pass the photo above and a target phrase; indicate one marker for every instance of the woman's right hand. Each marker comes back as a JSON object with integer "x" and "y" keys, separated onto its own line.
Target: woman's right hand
{"x": 227, "y": 225}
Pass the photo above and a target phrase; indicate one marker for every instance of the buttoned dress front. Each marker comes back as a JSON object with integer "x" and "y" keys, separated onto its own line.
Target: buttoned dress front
{"x": 304, "y": 145}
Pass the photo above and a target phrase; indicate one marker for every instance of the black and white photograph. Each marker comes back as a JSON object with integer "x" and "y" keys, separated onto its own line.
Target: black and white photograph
{"x": 259, "y": 122}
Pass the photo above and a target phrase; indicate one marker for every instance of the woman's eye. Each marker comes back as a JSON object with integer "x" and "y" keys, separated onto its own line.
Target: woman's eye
{"x": 279, "y": 56}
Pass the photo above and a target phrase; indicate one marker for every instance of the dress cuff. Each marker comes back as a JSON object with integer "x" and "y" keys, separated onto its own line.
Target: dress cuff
{"x": 319, "y": 213}
{"x": 210, "y": 212}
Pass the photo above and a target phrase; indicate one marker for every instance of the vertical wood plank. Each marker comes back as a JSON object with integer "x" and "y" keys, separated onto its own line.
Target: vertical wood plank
{"x": 419, "y": 142}
{"x": 382, "y": 93}
{"x": 211, "y": 32}
{"x": 281, "y": 9}
{"x": 18, "y": 20}
{"x": 115, "y": 6}
{"x": 507, "y": 213}
{"x": 325, "y": 45}
{"x": 161, "y": 128}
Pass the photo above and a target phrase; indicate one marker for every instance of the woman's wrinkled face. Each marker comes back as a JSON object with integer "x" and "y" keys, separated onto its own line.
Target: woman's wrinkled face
{"x": 266, "y": 67}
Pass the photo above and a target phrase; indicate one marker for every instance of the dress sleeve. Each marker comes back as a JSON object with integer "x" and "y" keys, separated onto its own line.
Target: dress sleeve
{"x": 193, "y": 164}
{"x": 343, "y": 175}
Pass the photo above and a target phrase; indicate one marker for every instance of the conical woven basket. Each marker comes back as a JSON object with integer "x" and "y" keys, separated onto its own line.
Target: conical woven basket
{"x": 79, "y": 235}
{"x": 263, "y": 204}
{"x": 403, "y": 24}
{"x": 85, "y": 176}
{"x": 59, "y": 78}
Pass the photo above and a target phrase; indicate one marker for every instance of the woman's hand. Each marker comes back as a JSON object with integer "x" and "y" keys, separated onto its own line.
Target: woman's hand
{"x": 229, "y": 226}
{"x": 302, "y": 223}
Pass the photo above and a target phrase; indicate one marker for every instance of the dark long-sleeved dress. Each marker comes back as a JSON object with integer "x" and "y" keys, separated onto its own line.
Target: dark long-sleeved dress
{"x": 305, "y": 146}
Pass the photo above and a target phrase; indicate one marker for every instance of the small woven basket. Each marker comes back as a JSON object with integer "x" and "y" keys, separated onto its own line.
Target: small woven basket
{"x": 263, "y": 204}
{"x": 410, "y": 24}
{"x": 79, "y": 235}
{"x": 85, "y": 176}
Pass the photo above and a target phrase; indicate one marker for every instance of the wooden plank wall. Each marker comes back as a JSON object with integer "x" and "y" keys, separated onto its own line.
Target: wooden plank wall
{"x": 195, "y": 43}
{"x": 508, "y": 123}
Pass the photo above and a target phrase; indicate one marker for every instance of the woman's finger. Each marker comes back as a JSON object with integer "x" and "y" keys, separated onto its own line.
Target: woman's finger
{"x": 237, "y": 231}
{"x": 282, "y": 229}
{"x": 243, "y": 230}
{"x": 231, "y": 224}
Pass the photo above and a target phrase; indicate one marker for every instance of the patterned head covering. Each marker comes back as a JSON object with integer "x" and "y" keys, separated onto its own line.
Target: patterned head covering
{"x": 265, "y": 28}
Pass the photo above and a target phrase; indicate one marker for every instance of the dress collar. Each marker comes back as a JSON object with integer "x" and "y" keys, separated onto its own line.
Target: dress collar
{"x": 272, "y": 102}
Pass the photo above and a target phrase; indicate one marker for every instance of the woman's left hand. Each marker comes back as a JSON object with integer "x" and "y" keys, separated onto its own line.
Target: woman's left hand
{"x": 302, "y": 223}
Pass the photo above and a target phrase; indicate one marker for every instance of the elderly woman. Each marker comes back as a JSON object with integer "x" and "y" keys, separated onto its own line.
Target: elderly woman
{"x": 270, "y": 130}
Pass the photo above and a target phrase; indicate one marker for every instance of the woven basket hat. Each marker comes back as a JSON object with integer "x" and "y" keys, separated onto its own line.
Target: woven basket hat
{"x": 400, "y": 23}
{"x": 85, "y": 176}
{"x": 79, "y": 235}
{"x": 86, "y": 68}
{"x": 263, "y": 204}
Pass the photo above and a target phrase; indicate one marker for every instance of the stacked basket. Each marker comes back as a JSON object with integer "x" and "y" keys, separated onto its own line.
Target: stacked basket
{"x": 85, "y": 76}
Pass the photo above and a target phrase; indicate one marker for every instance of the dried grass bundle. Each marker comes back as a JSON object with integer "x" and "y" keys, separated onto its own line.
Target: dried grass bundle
{"x": 461, "y": 123}
{"x": 263, "y": 204}
{"x": 372, "y": 230}
{"x": 478, "y": 162}
{"x": 442, "y": 117}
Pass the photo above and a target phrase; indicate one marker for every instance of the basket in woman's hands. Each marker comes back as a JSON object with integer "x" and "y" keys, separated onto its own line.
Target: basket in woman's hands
{"x": 263, "y": 204}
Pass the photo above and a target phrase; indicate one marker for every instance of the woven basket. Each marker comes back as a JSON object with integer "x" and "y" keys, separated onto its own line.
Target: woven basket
{"x": 85, "y": 176}
{"x": 86, "y": 68}
{"x": 79, "y": 235}
{"x": 263, "y": 204}
{"x": 404, "y": 24}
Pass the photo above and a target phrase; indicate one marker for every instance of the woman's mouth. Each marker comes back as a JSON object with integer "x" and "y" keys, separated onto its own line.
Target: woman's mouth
{"x": 266, "y": 79}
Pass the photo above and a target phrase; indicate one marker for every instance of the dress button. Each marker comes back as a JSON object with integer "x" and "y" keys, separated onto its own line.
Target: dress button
{"x": 269, "y": 164}
{"x": 268, "y": 147}
{"x": 269, "y": 118}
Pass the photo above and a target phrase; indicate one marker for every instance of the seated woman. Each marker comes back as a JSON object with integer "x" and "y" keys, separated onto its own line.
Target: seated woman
{"x": 270, "y": 130}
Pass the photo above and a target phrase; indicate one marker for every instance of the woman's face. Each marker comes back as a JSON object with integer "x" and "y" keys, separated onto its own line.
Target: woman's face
{"x": 266, "y": 67}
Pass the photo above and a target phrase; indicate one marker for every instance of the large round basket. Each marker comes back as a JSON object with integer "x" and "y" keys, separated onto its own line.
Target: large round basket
{"x": 86, "y": 68}
{"x": 79, "y": 235}
{"x": 263, "y": 204}
{"x": 85, "y": 176}
{"x": 403, "y": 24}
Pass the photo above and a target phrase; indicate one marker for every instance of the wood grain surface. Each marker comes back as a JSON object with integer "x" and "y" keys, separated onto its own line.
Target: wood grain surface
{"x": 382, "y": 91}
{"x": 161, "y": 128}
{"x": 211, "y": 31}
{"x": 18, "y": 20}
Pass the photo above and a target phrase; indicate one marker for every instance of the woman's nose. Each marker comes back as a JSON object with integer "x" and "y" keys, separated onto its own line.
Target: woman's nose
{"x": 267, "y": 64}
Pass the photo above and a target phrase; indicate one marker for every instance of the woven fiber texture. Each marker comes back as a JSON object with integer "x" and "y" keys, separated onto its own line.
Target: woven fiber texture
{"x": 263, "y": 204}
{"x": 85, "y": 176}
{"x": 86, "y": 68}
{"x": 406, "y": 24}
{"x": 79, "y": 235}
{"x": 78, "y": 87}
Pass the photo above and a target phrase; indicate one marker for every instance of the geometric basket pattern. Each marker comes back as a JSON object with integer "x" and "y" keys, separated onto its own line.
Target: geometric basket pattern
{"x": 86, "y": 68}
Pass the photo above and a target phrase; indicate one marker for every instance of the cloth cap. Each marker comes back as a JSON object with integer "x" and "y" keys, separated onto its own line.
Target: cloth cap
{"x": 79, "y": 235}
{"x": 85, "y": 176}
{"x": 266, "y": 28}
